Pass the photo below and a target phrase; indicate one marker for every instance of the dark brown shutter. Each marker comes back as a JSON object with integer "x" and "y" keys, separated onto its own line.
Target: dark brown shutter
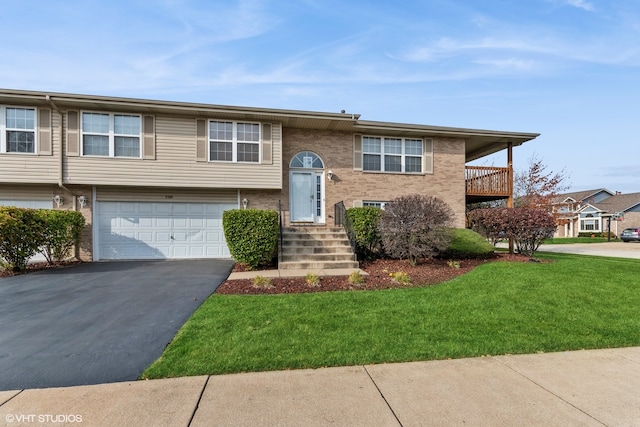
{"x": 201, "y": 140}
{"x": 44, "y": 132}
{"x": 73, "y": 133}
{"x": 267, "y": 144}
{"x": 148, "y": 138}
{"x": 357, "y": 152}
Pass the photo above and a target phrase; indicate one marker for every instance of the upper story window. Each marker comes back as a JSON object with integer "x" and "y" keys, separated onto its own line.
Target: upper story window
{"x": 111, "y": 135}
{"x": 18, "y": 130}
{"x": 403, "y": 155}
{"x": 234, "y": 142}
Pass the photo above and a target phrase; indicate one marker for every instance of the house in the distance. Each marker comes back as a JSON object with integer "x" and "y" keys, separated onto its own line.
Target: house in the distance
{"x": 596, "y": 211}
{"x": 152, "y": 178}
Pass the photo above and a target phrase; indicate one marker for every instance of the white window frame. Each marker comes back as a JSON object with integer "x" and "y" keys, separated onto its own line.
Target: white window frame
{"x": 374, "y": 204}
{"x": 234, "y": 141}
{"x": 594, "y": 221}
{"x": 4, "y": 128}
{"x": 111, "y": 135}
{"x": 403, "y": 155}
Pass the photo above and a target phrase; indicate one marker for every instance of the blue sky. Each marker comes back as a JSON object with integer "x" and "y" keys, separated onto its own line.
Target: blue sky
{"x": 568, "y": 69}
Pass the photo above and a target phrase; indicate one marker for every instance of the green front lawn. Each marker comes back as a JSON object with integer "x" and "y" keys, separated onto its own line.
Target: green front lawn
{"x": 571, "y": 240}
{"x": 573, "y": 302}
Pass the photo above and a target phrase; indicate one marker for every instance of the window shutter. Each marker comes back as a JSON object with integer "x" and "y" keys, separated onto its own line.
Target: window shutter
{"x": 73, "y": 133}
{"x": 357, "y": 203}
{"x": 427, "y": 157}
{"x": 44, "y": 132}
{"x": 267, "y": 144}
{"x": 201, "y": 140}
{"x": 148, "y": 138}
{"x": 357, "y": 152}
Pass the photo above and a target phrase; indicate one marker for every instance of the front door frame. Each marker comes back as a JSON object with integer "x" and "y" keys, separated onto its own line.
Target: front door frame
{"x": 310, "y": 164}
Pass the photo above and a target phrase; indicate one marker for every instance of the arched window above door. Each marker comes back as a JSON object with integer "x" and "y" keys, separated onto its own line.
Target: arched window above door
{"x": 307, "y": 160}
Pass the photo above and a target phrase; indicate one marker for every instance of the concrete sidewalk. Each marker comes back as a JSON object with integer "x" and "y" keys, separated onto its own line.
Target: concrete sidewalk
{"x": 581, "y": 388}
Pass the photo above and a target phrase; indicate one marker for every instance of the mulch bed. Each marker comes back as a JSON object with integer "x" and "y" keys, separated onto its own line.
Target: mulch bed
{"x": 426, "y": 273}
{"x": 37, "y": 266}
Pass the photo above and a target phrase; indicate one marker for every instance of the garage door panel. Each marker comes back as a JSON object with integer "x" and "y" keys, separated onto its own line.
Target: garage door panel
{"x": 145, "y": 230}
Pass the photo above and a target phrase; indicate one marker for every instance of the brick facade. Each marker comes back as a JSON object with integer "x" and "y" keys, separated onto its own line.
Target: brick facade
{"x": 349, "y": 185}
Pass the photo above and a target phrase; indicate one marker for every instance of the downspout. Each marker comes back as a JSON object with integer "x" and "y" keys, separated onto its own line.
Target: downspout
{"x": 76, "y": 248}
{"x": 61, "y": 152}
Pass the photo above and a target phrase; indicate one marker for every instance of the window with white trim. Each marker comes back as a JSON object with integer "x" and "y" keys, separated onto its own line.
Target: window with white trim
{"x": 111, "y": 135}
{"x": 234, "y": 142}
{"x": 399, "y": 155}
{"x": 372, "y": 204}
{"x": 590, "y": 223}
{"x": 18, "y": 130}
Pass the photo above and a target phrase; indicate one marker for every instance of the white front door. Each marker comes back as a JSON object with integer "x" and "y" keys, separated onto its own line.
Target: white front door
{"x": 307, "y": 196}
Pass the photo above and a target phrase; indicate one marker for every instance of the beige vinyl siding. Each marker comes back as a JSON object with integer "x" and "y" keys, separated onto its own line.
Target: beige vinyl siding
{"x": 27, "y": 192}
{"x": 175, "y": 164}
{"x": 167, "y": 194}
{"x": 34, "y": 168}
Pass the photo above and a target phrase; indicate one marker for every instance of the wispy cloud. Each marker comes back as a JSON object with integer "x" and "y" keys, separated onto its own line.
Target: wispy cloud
{"x": 581, "y": 4}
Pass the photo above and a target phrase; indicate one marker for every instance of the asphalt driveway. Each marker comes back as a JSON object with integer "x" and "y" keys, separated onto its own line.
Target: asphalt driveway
{"x": 97, "y": 322}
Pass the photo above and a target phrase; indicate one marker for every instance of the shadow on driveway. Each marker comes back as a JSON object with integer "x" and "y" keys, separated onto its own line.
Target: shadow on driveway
{"x": 97, "y": 322}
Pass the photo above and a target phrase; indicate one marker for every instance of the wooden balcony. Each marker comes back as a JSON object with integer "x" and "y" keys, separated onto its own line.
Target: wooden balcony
{"x": 486, "y": 183}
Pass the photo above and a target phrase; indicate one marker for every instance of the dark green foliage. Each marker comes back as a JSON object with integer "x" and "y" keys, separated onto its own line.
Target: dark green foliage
{"x": 467, "y": 244}
{"x": 416, "y": 226}
{"x": 21, "y": 234}
{"x": 62, "y": 232}
{"x": 252, "y": 235}
{"x": 365, "y": 225}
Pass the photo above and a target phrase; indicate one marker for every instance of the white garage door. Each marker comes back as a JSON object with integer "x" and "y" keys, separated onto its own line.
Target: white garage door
{"x": 145, "y": 230}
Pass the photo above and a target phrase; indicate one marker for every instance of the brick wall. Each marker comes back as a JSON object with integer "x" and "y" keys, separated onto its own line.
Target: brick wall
{"x": 336, "y": 151}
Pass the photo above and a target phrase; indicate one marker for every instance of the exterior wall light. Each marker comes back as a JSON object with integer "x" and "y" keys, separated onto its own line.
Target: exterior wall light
{"x": 245, "y": 202}
{"x": 330, "y": 175}
{"x": 83, "y": 201}
{"x": 58, "y": 200}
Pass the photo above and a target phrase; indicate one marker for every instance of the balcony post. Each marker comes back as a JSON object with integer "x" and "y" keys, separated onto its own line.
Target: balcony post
{"x": 510, "y": 181}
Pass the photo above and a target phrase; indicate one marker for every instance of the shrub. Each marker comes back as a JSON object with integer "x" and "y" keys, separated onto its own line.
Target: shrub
{"x": 355, "y": 278}
{"x": 252, "y": 235}
{"x": 312, "y": 279}
{"x": 400, "y": 277}
{"x": 415, "y": 226}
{"x": 62, "y": 232}
{"x": 365, "y": 225}
{"x": 527, "y": 227}
{"x": 467, "y": 244}
{"x": 262, "y": 282}
{"x": 21, "y": 234}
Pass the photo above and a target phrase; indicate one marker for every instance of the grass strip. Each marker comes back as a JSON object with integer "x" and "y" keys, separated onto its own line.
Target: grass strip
{"x": 574, "y": 302}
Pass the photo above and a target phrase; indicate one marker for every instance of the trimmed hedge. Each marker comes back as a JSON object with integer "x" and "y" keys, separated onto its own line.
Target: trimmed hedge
{"x": 25, "y": 232}
{"x": 365, "y": 225}
{"x": 62, "y": 232}
{"x": 21, "y": 234}
{"x": 467, "y": 244}
{"x": 252, "y": 235}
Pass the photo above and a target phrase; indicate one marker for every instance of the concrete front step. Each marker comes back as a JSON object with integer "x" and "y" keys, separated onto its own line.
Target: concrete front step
{"x": 317, "y": 265}
{"x": 311, "y": 250}
{"x": 318, "y": 257}
{"x": 316, "y": 248}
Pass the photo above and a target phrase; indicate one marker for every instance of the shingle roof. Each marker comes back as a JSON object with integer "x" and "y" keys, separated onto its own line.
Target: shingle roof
{"x": 619, "y": 202}
{"x": 578, "y": 195}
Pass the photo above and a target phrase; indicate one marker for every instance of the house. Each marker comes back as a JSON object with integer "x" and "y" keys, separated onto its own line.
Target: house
{"x": 596, "y": 211}
{"x": 152, "y": 178}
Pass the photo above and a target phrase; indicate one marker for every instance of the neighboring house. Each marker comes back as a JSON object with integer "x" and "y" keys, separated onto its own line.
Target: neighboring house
{"x": 596, "y": 211}
{"x": 152, "y": 178}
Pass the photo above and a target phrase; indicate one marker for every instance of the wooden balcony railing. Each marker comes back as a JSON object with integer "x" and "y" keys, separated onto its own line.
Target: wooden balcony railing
{"x": 487, "y": 183}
